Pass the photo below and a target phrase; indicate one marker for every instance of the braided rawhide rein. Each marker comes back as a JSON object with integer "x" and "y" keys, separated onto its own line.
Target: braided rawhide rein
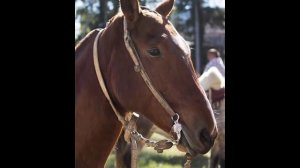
{"x": 131, "y": 135}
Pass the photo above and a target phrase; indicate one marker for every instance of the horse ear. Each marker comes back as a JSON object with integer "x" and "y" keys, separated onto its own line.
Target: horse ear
{"x": 131, "y": 9}
{"x": 165, "y": 8}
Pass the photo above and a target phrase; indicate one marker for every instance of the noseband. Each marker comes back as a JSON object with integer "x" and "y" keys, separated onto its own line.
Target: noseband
{"x": 129, "y": 124}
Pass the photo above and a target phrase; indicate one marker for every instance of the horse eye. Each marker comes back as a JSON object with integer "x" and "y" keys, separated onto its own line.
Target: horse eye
{"x": 154, "y": 52}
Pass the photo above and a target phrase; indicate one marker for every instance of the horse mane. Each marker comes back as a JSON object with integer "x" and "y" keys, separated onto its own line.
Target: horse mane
{"x": 84, "y": 39}
{"x": 214, "y": 75}
{"x": 89, "y": 35}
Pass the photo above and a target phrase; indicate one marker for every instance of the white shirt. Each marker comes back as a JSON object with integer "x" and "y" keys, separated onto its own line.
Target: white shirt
{"x": 218, "y": 63}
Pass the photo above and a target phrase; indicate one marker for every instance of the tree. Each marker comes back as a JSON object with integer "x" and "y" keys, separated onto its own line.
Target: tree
{"x": 94, "y": 14}
{"x": 199, "y": 33}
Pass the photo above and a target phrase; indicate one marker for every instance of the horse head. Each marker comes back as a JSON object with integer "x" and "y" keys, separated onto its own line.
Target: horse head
{"x": 166, "y": 58}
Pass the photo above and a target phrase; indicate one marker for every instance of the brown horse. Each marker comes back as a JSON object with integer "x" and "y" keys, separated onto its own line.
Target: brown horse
{"x": 165, "y": 57}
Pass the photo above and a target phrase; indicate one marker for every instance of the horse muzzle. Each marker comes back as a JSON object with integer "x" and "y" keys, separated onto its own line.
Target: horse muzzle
{"x": 186, "y": 144}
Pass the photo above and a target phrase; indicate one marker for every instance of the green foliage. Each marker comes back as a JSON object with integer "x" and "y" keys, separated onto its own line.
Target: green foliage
{"x": 94, "y": 14}
{"x": 171, "y": 158}
{"x": 151, "y": 159}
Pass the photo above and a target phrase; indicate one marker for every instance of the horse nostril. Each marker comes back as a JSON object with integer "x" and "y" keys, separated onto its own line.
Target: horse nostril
{"x": 205, "y": 138}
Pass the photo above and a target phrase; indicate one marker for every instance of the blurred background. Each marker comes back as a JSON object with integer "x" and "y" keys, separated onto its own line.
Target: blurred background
{"x": 200, "y": 22}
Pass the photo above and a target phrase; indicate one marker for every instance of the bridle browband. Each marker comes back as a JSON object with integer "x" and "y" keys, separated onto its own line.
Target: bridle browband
{"x": 130, "y": 124}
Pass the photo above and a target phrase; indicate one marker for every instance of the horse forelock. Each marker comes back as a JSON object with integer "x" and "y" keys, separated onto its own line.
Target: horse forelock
{"x": 84, "y": 39}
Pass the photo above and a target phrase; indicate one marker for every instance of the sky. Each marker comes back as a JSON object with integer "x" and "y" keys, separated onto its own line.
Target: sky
{"x": 209, "y": 3}
{"x": 215, "y": 3}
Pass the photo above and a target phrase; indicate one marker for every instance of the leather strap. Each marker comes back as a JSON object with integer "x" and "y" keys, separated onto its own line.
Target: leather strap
{"x": 100, "y": 77}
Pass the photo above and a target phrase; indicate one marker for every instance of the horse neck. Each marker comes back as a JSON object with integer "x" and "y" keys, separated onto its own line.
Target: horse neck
{"x": 96, "y": 126}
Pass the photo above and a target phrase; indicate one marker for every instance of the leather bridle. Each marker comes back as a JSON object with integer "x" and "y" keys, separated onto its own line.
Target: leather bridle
{"x": 130, "y": 124}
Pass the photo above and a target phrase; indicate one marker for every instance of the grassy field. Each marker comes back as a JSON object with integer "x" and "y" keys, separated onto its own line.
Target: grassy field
{"x": 172, "y": 158}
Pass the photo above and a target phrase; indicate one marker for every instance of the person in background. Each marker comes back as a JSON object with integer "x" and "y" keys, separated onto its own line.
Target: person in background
{"x": 215, "y": 60}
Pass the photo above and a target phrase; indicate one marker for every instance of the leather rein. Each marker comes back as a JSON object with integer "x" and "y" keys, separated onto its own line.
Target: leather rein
{"x": 129, "y": 122}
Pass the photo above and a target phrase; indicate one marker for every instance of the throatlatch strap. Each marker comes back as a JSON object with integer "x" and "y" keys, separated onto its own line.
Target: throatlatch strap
{"x": 100, "y": 77}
